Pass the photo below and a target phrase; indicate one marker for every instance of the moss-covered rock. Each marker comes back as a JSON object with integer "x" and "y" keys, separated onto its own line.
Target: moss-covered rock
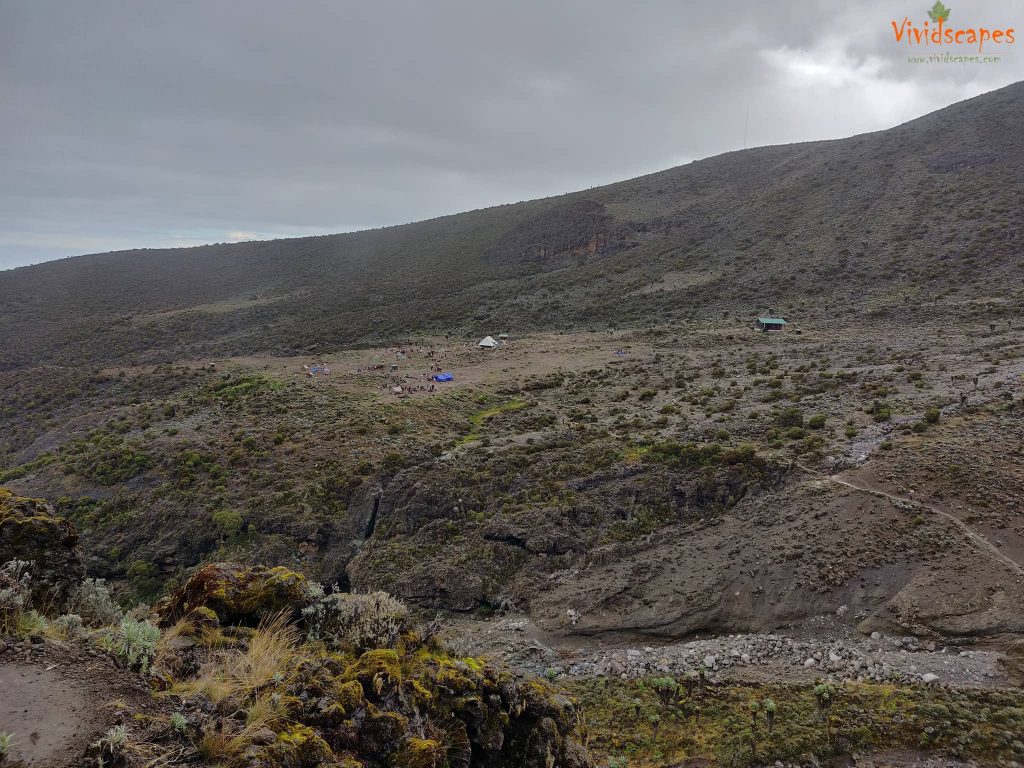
{"x": 422, "y": 753}
{"x": 382, "y": 732}
{"x": 350, "y": 696}
{"x": 414, "y": 705}
{"x": 374, "y": 669}
{"x": 31, "y": 530}
{"x": 299, "y": 746}
{"x": 237, "y": 594}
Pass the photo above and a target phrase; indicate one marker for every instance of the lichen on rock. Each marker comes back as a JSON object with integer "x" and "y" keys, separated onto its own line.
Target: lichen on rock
{"x": 31, "y": 530}
{"x": 237, "y": 594}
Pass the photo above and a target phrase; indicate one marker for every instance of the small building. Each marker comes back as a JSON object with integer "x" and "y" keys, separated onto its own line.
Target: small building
{"x": 487, "y": 342}
{"x": 770, "y": 323}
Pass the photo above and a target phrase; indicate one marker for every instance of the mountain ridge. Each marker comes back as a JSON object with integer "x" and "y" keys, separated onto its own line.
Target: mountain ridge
{"x": 790, "y": 213}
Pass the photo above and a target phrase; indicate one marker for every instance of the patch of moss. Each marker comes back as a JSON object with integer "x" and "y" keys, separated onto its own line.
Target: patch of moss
{"x": 298, "y": 746}
{"x": 350, "y": 696}
{"x": 379, "y": 664}
{"x": 421, "y": 753}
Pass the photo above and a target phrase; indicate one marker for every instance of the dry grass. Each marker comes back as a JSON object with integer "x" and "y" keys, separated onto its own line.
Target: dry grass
{"x": 240, "y": 673}
{"x": 269, "y": 650}
{"x": 245, "y": 674}
{"x": 164, "y": 646}
{"x": 226, "y": 745}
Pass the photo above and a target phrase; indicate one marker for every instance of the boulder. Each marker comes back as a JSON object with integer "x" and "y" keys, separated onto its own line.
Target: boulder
{"x": 236, "y": 594}
{"x": 30, "y": 530}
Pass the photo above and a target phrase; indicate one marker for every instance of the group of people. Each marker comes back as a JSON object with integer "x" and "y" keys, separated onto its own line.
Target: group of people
{"x": 399, "y": 383}
{"x": 408, "y": 389}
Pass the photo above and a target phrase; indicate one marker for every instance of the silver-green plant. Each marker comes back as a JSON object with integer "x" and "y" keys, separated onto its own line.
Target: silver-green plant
{"x": 769, "y": 707}
{"x": 179, "y": 722}
{"x": 113, "y": 741}
{"x": 92, "y": 601}
{"x": 132, "y": 640}
{"x": 68, "y": 625}
{"x": 5, "y": 744}
{"x": 15, "y": 596}
{"x": 363, "y": 622}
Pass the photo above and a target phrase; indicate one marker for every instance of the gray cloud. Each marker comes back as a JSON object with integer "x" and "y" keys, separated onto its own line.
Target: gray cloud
{"x": 128, "y": 123}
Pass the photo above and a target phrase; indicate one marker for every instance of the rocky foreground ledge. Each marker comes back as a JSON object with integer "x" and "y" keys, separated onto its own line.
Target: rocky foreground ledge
{"x": 254, "y": 666}
{"x": 248, "y": 665}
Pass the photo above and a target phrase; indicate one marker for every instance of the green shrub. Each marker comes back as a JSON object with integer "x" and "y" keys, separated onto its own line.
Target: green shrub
{"x": 790, "y": 417}
{"x": 144, "y": 577}
{"x": 817, "y": 421}
{"x": 227, "y": 522}
{"x": 880, "y": 410}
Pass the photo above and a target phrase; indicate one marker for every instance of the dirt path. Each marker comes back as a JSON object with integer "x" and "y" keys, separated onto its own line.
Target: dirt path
{"x": 57, "y": 699}
{"x": 50, "y": 716}
{"x": 980, "y": 541}
{"x": 859, "y": 484}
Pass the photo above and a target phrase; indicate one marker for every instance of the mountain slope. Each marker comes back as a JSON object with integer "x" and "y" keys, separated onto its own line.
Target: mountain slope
{"x": 902, "y": 216}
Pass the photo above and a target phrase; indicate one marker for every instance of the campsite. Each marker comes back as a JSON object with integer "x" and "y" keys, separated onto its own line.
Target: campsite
{"x": 438, "y": 360}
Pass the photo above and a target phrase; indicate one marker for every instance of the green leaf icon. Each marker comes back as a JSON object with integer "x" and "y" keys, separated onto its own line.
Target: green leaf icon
{"x": 939, "y": 12}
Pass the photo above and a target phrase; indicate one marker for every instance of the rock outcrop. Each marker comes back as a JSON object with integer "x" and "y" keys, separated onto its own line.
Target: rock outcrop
{"x": 30, "y": 530}
{"x": 237, "y": 594}
{"x": 405, "y": 700}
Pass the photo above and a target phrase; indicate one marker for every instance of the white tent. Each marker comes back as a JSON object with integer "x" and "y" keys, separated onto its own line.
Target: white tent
{"x": 488, "y": 342}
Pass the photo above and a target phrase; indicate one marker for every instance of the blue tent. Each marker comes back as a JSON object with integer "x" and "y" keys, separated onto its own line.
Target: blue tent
{"x": 446, "y": 376}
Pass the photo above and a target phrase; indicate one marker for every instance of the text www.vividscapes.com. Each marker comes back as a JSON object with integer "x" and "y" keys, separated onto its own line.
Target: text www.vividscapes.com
{"x": 952, "y": 58}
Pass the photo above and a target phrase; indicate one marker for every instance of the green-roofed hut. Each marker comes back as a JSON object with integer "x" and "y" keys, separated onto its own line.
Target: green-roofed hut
{"x": 770, "y": 323}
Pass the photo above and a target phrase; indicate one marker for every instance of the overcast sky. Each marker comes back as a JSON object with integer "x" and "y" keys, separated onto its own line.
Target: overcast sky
{"x": 149, "y": 123}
